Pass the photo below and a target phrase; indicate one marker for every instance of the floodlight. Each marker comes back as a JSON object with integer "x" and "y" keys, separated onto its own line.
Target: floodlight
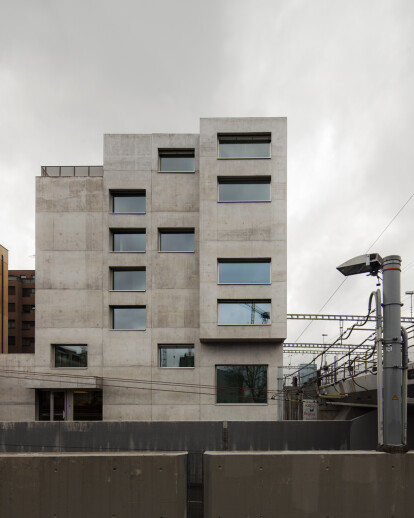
{"x": 367, "y": 263}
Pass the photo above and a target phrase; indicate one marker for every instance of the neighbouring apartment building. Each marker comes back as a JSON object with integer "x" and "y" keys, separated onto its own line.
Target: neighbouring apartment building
{"x": 161, "y": 279}
{"x": 21, "y": 307}
{"x": 4, "y": 260}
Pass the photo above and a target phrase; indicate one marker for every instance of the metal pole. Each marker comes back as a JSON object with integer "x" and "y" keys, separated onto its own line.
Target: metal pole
{"x": 380, "y": 404}
{"x": 393, "y": 419}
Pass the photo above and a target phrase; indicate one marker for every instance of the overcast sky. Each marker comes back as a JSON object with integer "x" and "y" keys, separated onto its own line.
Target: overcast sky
{"x": 341, "y": 71}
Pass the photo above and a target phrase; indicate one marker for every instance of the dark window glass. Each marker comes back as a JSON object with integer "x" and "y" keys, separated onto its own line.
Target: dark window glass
{"x": 129, "y": 318}
{"x": 27, "y": 308}
{"x": 244, "y": 312}
{"x": 244, "y": 189}
{"x": 176, "y": 356}
{"x": 26, "y": 292}
{"x": 12, "y": 324}
{"x": 244, "y": 272}
{"x": 12, "y": 340}
{"x": 27, "y": 341}
{"x": 132, "y": 202}
{"x": 44, "y": 405}
{"x": 12, "y": 307}
{"x": 177, "y": 160}
{"x": 244, "y": 146}
{"x": 129, "y": 280}
{"x": 87, "y": 405}
{"x": 411, "y": 374}
{"x": 71, "y": 355}
{"x": 129, "y": 241}
{"x": 59, "y": 401}
{"x": 176, "y": 241}
{"x": 12, "y": 290}
{"x": 241, "y": 383}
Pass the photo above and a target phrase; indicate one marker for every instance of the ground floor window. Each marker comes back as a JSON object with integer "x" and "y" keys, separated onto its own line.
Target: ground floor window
{"x": 69, "y": 405}
{"x": 241, "y": 383}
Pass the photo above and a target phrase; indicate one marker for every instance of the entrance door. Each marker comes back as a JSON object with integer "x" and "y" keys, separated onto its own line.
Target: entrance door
{"x": 58, "y": 406}
{"x": 52, "y": 405}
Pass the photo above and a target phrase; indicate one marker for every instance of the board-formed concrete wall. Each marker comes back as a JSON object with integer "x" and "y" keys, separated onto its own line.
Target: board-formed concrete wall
{"x": 308, "y": 484}
{"x": 93, "y": 485}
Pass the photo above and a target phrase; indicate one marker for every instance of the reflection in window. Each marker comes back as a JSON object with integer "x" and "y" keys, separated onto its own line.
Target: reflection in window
{"x": 129, "y": 241}
{"x": 177, "y": 241}
{"x": 132, "y": 202}
{"x": 129, "y": 280}
{"x": 67, "y": 355}
{"x": 254, "y": 145}
{"x": 244, "y": 189}
{"x": 87, "y": 405}
{"x": 177, "y": 160}
{"x": 241, "y": 383}
{"x": 244, "y": 272}
{"x": 129, "y": 317}
{"x": 176, "y": 356}
{"x": 244, "y": 312}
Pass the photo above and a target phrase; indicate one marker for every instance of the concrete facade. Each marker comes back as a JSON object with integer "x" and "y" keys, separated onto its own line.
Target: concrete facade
{"x": 75, "y": 261}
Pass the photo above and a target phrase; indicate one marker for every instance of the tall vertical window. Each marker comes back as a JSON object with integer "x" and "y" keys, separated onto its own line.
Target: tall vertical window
{"x": 129, "y": 317}
{"x": 181, "y": 240}
{"x": 128, "y": 240}
{"x": 243, "y": 189}
{"x": 244, "y": 145}
{"x": 128, "y": 202}
{"x": 243, "y": 312}
{"x": 176, "y": 160}
{"x": 241, "y": 383}
{"x": 238, "y": 271}
{"x": 129, "y": 279}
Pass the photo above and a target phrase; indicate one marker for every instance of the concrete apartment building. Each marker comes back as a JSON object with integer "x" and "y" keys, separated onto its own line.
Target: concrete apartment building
{"x": 4, "y": 260}
{"x": 21, "y": 307}
{"x": 161, "y": 279}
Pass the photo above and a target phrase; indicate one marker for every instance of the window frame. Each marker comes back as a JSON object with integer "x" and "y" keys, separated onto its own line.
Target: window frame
{"x": 260, "y": 135}
{"x": 82, "y": 367}
{"x": 262, "y": 403}
{"x": 238, "y": 301}
{"x": 114, "y": 269}
{"x": 126, "y": 306}
{"x": 139, "y": 231}
{"x": 176, "y": 231}
{"x": 123, "y": 193}
{"x": 249, "y": 260}
{"x": 177, "y": 152}
{"x": 175, "y": 346}
{"x": 228, "y": 180}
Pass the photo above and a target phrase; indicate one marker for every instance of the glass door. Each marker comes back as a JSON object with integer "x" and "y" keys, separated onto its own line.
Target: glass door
{"x": 59, "y": 406}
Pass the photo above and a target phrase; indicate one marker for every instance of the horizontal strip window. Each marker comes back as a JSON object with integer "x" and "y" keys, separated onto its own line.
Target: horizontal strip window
{"x": 244, "y": 145}
{"x": 255, "y": 271}
{"x": 176, "y": 160}
{"x": 241, "y": 384}
{"x": 129, "y": 317}
{"x": 179, "y": 240}
{"x": 70, "y": 355}
{"x": 243, "y": 189}
{"x": 129, "y": 279}
{"x": 176, "y": 355}
{"x": 128, "y": 240}
{"x": 128, "y": 202}
{"x": 244, "y": 312}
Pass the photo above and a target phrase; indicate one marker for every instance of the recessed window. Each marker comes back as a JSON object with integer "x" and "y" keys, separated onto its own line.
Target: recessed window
{"x": 87, "y": 405}
{"x": 27, "y": 341}
{"x": 27, "y": 308}
{"x": 70, "y": 355}
{"x": 129, "y": 280}
{"x": 242, "y": 145}
{"x": 243, "y": 189}
{"x": 177, "y": 240}
{"x": 177, "y": 160}
{"x": 128, "y": 241}
{"x": 27, "y": 324}
{"x": 12, "y": 324}
{"x": 232, "y": 271}
{"x": 241, "y": 383}
{"x": 12, "y": 290}
{"x": 26, "y": 292}
{"x": 12, "y": 340}
{"x": 176, "y": 356}
{"x": 12, "y": 307}
{"x": 130, "y": 317}
{"x": 244, "y": 312}
{"x": 129, "y": 202}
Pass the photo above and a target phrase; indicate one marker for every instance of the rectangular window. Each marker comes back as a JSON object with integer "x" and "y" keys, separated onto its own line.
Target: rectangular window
{"x": 26, "y": 292}
{"x": 130, "y": 317}
{"x": 129, "y": 280}
{"x": 128, "y": 241}
{"x": 12, "y": 324}
{"x": 177, "y": 160}
{"x": 243, "y": 189}
{"x": 27, "y": 308}
{"x": 177, "y": 240}
{"x": 176, "y": 356}
{"x": 12, "y": 290}
{"x": 247, "y": 145}
{"x": 12, "y": 340}
{"x": 12, "y": 307}
{"x": 243, "y": 312}
{"x": 27, "y": 341}
{"x": 253, "y": 271}
{"x": 241, "y": 383}
{"x": 128, "y": 202}
{"x": 87, "y": 405}
{"x": 67, "y": 355}
{"x": 27, "y": 324}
